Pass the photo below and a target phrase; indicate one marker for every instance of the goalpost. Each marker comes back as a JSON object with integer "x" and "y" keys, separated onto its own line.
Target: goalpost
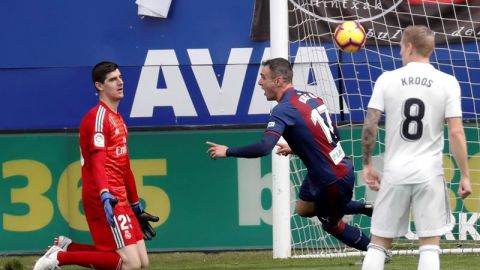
{"x": 345, "y": 81}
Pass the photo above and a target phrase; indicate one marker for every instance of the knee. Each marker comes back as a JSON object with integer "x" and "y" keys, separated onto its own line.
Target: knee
{"x": 145, "y": 263}
{"x": 304, "y": 213}
{"x": 305, "y": 210}
{"x": 132, "y": 264}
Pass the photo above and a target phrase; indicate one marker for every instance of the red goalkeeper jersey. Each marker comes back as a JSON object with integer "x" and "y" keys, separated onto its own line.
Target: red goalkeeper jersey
{"x": 104, "y": 158}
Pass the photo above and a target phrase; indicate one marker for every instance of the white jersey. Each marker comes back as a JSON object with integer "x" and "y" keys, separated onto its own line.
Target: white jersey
{"x": 416, "y": 99}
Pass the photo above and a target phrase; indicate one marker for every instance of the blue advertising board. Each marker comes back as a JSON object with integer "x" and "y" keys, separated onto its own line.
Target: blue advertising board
{"x": 198, "y": 66}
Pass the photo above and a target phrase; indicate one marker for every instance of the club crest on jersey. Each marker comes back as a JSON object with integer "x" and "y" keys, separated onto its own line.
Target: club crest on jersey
{"x": 271, "y": 124}
{"x": 99, "y": 140}
{"x": 128, "y": 235}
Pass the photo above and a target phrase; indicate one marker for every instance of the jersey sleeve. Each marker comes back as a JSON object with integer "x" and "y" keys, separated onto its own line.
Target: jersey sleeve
{"x": 130, "y": 185}
{"x": 377, "y": 98}
{"x": 278, "y": 121}
{"x": 259, "y": 149}
{"x": 98, "y": 169}
{"x": 97, "y": 147}
{"x": 453, "y": 106}
{"x": 99, "y": 131}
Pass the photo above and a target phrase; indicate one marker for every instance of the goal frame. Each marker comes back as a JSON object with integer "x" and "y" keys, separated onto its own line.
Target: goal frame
{"x": 281, "y": 190}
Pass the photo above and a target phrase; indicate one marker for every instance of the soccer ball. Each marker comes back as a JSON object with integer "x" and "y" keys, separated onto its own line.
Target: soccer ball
{"x": 350, "y": 36}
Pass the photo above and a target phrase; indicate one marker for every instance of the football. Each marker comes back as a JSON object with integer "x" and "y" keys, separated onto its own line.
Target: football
{"x": 350, "y": 36}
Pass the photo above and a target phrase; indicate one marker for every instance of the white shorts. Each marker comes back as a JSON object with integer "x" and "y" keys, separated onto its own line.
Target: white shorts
{"x": 428, "y": 201}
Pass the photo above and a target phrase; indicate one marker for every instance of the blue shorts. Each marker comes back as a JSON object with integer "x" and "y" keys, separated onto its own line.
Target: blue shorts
{"x": 330, "y": 200}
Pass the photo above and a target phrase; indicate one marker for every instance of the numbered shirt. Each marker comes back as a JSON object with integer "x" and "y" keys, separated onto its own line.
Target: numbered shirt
{"x": 104, "y": 130}
{"x": 416, "y": 99}
{"x": 304, "y": 121}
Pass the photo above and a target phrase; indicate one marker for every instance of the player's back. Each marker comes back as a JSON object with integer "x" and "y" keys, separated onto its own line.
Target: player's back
{"x": 416, "y": 101}
{"x": 311, "y": 135}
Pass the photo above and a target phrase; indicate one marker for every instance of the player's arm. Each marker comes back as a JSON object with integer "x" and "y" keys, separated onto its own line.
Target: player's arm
{"x": 369, "y": 134}
{"x": 130, "y": 185}
{"x": 458, "y": 147}
{"x": 143, "y": 217}
{"x": 369, "y": 137}
{"x": 98, "y": 171}
{"x": 258, "y": 149}
{"x": 95, "y": 133}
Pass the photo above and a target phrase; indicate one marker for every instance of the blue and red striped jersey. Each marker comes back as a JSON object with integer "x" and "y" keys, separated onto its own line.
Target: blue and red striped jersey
{"x": 304, "y": 121}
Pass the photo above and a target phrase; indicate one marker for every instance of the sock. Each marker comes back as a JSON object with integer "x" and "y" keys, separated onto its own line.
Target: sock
{"x": 353, "y": 207}
{"x": 350, "y": 235}
{"x": 429, "y": 257}
{"x": 357, "y": 207}
{"x": 101, "y": 260}
{"x": 375, "y": 258}
{"x": 74, "y": 246}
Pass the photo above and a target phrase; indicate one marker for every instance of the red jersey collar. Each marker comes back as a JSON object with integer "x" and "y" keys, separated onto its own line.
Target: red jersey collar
{"x": 106, "y": 107}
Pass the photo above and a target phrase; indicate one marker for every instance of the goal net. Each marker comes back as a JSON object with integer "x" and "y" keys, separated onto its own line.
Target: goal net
{"x": 345, "y": 81}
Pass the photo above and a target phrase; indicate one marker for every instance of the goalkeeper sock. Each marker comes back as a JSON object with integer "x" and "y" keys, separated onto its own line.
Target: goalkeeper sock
{"x": 429, "y": 257}
{"x": 74, "y": 246}
{"x": 91, "y": 259}
{"x": 350, "y": 235}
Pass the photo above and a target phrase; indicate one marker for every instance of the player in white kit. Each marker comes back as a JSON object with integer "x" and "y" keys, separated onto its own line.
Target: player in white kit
{"x": 416, "y": 100}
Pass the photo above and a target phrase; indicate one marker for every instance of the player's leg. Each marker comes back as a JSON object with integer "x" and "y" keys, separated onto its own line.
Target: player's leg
{"x": 305, "y": 205}
{"x": 142, "y": 251}
{"x": 356, "y": 207}
{"x": 116, "y": 247}
{"x": 55, "y": 257}
{"x": 377, "y": 253}
{"x": 67, "y": 244}
{"x": 389, "y": 220}
{"x": 359, "y": 207}
{"x": 106, "y": 239}
{"x": 431, "y": 222}
{"x": 429, "y": 252}
{"x": 305, "y": 208}
{"x": 134, "y": 256}
{"x": 130, "y": 257}
{"x": 330, "y": 205}
{"x": 66, "y": 252}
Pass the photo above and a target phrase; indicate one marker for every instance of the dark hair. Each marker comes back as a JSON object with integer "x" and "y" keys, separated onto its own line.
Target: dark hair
{"x": 421, "y": 37}
{"x": 280, "y": 67}
{"x": 101, "y": 70}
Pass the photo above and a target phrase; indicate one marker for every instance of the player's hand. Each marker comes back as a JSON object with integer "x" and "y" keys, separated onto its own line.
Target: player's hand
{"x": 283, "y": 149}
{"x": 371, "y": 177}
{"x": 217, "y": 150}
{"x": 465, "y": 187}
{"x": 109, "y": 201}
{"x": 144, "y": 220}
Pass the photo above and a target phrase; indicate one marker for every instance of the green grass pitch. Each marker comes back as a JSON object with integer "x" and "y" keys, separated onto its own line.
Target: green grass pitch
{"x": 262, "y": 260}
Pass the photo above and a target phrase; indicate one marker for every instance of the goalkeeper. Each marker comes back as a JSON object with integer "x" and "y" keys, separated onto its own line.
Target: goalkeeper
{"x": 117, "y": 222}
{"x": 304, "y": 121}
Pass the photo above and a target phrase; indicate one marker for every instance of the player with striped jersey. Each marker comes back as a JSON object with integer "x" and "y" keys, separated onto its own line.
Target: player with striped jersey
{"x": 416, "y": 100}
{"x": 117, "y": 222}
{"x": 304, "y": 121}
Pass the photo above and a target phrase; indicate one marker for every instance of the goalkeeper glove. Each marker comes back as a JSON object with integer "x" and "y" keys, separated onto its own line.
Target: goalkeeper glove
{"x": 144, "y": 220}
{"x": 109, "y": 201}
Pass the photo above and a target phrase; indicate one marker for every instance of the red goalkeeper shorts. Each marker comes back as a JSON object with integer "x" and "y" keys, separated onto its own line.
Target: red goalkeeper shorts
{"x": 126, "y": 232}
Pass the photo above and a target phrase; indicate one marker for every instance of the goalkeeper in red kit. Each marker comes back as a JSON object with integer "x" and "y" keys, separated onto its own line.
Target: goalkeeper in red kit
{"x": 116, "y": 219}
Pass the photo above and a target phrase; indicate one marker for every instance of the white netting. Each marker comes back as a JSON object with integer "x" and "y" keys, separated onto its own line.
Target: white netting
{"x": 345, "y": 82}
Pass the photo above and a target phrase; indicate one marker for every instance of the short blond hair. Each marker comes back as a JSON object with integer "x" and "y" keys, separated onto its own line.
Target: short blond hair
{"x": 421, "y": 38}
